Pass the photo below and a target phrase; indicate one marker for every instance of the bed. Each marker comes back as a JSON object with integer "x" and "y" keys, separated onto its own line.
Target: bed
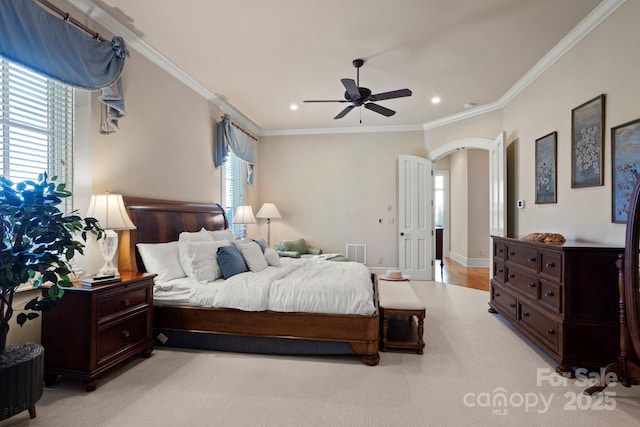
{"x": 228, "y": 329}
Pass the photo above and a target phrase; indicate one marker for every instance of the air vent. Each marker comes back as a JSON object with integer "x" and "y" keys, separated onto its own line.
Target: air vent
{"x": 357, "y": 252}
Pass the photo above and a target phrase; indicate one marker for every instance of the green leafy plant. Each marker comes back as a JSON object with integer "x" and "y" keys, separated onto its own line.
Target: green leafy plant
{"x": 38, "y": 241}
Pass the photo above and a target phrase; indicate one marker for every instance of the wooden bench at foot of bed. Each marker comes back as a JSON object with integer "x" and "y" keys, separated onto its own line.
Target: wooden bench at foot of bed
{"x": 399, "y": 301}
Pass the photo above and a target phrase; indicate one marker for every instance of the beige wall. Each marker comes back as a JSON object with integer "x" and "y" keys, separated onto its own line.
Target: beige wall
{"x": 478, "y": 206}
{"x": 459, "y": 204}
{"x": 333, "y": 189}
{"x": 605, "y": 61}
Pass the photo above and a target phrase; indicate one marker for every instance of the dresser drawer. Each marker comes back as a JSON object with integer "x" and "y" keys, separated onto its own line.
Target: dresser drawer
{"x": 524, "y": 257}
{"x": 523, "y": 282}
{"x": 499, "y": 250}
{"x": 499, "y": 271}
{"x": 551, "y": 266}
{"x": 544, "y": 327}
{"x": 505, "y": 300}
{"x": 550, "y": 295}
{"x": 120, "y": 335}
{"x": 126, "y": 299}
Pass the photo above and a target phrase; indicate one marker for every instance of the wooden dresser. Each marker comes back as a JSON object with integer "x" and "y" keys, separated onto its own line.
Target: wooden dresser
{"x": 92, "y": 329}
{"x": 562, "y": 296}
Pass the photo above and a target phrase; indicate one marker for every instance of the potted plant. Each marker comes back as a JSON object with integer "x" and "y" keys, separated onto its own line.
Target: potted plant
{"x": 38, "y": 241}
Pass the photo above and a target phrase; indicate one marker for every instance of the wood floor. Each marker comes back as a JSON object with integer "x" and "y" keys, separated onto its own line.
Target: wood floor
{"x": 457, "y": 274}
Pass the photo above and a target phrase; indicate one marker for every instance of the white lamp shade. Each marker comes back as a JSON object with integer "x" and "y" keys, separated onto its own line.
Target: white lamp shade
{"x": 268, "y": 210}
{"x": 244, "y": 215}
{"x": 110, "y": 212}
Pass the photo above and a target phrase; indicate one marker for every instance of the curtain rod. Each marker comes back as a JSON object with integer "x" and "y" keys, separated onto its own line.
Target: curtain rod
{"x": 242, "y": 130}
{"x": 67, "y": 18}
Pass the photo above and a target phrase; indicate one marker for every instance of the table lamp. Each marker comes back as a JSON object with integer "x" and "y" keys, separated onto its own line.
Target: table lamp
{"x": 244, "y": 215}
{"x": 268, "y": 210}
{"x": 111, "y": 214}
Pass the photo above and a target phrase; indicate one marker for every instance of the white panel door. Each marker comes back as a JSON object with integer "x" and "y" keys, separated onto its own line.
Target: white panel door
{"x": 415, "y": 217}
{"x": 497, "y": 191}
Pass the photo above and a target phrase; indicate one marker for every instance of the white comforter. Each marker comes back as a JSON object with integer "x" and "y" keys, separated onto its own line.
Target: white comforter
{"x": 299, "y": 285}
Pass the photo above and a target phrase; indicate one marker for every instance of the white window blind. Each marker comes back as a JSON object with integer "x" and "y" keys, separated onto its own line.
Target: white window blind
{"x": 36, "y": 127}
{"x": 235, "y": 189}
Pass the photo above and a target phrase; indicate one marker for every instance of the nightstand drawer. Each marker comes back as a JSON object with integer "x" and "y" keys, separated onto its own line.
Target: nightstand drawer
{"x": 125, "y": 300}
{"x": 545, "y": 328}
{"x": 120, "y": 335}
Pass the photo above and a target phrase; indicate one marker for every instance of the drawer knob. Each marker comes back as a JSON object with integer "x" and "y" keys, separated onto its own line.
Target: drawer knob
{"x": 125, "y": 334}
{"x": 126, "y": 302}
{"x": 512, "y": 253}
{"x": 496, "y": 294}
{"x": 550, "y": 331}
{"x": 549, "y": 264}
{"x": 512, "y": 305}
{"x": 531, "y": 259}
{"x": 500, "y": 270}
{"x": 511, "y": 275}
{"x": 525, "y": 314}
{"x": 548, "y": 294}
{"x": 531, "y": 285}
{"x": 500, "y": 250}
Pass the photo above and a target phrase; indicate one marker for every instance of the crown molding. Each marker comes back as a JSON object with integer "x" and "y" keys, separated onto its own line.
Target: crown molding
{"x": 591, "y": 21}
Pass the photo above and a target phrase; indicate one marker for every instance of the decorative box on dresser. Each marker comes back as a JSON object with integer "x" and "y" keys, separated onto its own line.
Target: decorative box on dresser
{"x": 564, "y": 297}
{"x": 94, "y": 328}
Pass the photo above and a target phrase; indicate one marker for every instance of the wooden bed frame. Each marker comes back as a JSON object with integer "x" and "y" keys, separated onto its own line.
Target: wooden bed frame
{"x": 159, "y": 221}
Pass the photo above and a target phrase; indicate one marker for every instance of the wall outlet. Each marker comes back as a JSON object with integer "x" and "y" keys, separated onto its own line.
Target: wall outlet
{"x": 520, "y": 204}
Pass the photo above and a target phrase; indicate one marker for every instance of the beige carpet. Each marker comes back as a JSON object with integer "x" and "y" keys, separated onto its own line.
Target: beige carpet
{"x": 471, "y": 359}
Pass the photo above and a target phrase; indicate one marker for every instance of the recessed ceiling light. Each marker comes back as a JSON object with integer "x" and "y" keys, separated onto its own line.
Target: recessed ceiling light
{"x": 435, "y": 100}
{"x": 294, "y": 107}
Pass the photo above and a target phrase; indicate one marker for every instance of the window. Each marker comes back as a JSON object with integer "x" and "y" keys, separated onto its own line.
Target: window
{"x": 234, "y": 189}
{"x": 36, "y": 126}
{"x": 438, "y": 197}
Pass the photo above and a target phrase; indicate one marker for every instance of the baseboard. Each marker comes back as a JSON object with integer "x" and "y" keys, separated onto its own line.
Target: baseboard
{"x": 469, "y": 262}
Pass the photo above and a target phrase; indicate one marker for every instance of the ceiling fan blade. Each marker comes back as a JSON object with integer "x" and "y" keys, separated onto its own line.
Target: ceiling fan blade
{"x": 379, "y": 109}
{"x": 390, "y": 95}
{"x": 352, "y": 88}
{"x": 325, "y": 100}
{"x": 344, "y": 112}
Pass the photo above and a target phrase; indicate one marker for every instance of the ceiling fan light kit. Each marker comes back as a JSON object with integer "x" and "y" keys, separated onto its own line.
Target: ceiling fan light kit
{"x": 361, "y": 96}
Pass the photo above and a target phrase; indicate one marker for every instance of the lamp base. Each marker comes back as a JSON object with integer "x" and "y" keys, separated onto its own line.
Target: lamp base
{"x": 108, "y": 246}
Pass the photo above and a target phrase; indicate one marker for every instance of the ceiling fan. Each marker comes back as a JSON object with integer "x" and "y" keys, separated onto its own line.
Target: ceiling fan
{"x": 362, "y": 96}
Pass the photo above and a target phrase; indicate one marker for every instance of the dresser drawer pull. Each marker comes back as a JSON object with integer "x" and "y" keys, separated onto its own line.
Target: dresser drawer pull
{"x": 525, "y": 314}
{"x": 531, "y": 285}
{"x": 125, "y": 334}
{"x": 550, "y": 264}
{"x": 496, "y": 294}
{"x": 500, "y": 270}
{"x": 511, "y": 275}
{"x": 126, "y": 302}
{"x": 500, "y": 250}
{"x": 531, "y": 259}
{"x": 512, "y": 305}
{"x": 548, "y": 294}
{"x": 550, "y": 331}
{"x": 512, "y": 253}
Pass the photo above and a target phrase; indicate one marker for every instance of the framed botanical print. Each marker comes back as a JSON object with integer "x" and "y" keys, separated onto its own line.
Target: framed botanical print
{"x": 587, "y": 143}
{"x": 625, "y": 167}
{"x": 546, "y": 174}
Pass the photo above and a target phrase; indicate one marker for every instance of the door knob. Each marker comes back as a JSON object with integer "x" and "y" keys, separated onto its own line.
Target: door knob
{"x": 401, "y": 233}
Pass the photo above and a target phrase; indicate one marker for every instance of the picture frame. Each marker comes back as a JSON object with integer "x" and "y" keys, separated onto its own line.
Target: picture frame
{"x": 546, "y": 168}
{"x": 587, "y": 143}
{"x": 625, "y": 167}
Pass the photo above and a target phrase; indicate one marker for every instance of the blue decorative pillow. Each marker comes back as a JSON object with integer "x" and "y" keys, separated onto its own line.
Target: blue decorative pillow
{"x": 230, "y": 261}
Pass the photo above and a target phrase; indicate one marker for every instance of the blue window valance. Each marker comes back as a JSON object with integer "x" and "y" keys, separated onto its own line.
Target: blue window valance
{"x": 36, "y": 39}
{"x": 241, "y": 144}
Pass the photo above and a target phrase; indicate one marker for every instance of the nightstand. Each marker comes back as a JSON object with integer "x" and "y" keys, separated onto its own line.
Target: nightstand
{"x": 92, "y": 329}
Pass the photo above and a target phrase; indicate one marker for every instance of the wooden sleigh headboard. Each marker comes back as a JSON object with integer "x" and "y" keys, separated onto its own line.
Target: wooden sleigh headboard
{"x": 161, "y": 221}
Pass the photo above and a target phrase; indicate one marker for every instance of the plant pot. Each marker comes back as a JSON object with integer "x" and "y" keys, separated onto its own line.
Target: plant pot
{"x": 21, "y": 379}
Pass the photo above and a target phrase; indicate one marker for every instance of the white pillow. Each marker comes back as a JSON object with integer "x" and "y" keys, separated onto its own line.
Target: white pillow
{"x": 199, "y": 259}
{"x": 162, "y": 259}
{"x": 198, "y": 236}
{"x": 272, "y": 257}
{"x": 253, "y": 256}
{"x": 225, "y": 234}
